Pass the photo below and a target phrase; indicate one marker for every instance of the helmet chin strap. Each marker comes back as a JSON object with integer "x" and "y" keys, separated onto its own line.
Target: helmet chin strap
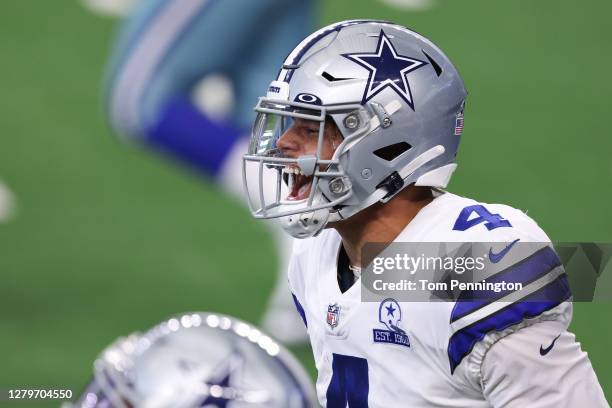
{"x": 306, "y": 224}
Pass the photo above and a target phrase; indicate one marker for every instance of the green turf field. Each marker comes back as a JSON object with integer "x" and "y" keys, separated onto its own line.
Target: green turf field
{"x": 108, "y": 239}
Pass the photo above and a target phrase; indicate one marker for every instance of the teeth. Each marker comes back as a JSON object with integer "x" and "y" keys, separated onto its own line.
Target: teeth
{"x": 294, "y": 170}
{"x": 290, "y": 183}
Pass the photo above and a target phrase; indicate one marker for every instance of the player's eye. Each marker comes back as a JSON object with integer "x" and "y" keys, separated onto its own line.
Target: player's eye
{"x": 311, "y": 131}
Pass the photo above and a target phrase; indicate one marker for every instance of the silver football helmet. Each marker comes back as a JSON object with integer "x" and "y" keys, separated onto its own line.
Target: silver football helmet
{"x": 398, "y": 103}
{"x": 197, "y": 360}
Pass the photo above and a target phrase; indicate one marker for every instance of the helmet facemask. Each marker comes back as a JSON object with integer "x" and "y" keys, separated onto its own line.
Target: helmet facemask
{"x": 303, "y": 191}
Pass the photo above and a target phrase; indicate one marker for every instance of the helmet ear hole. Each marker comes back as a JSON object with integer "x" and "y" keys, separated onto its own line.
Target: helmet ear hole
{"x": 389, "y": 153}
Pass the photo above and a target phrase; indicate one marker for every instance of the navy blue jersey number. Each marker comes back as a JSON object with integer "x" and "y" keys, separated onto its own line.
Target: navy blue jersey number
{"x": 491, "y": 221}
{"x": 349, "y": 383}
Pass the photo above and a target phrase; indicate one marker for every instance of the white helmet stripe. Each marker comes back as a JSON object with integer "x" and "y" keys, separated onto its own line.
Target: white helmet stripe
{"x": 296, "y": 55}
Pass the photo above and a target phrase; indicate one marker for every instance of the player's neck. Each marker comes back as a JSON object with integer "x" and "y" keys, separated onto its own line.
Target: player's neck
{"x": 381, "y": 222}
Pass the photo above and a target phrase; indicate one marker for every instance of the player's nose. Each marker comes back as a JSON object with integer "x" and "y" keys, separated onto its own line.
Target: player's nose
{"x": 289, "y": 143}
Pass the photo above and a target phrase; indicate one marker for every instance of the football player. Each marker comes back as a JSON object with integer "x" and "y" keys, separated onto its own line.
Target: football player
{"x": 197, "y": 360}
{"x": 181, "y": 81}
{"x": 359, "y": 132}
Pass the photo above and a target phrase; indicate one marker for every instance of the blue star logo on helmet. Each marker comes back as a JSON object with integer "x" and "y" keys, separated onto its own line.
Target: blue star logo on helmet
{"x": 387, "y": 69}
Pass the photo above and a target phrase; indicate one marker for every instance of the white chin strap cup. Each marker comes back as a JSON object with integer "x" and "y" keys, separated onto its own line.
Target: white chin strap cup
{"x": 305, "y": 225}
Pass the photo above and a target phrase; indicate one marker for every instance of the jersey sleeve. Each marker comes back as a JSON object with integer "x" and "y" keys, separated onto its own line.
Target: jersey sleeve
{"x": 527, "y": 258}
{"x": 540, "y": 366}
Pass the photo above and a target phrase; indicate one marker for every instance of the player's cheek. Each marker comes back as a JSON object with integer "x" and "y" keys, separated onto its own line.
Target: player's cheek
{"x": 327, "y": 150}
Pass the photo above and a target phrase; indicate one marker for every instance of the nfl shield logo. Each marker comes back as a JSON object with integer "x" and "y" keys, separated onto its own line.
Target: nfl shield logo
{"x": 333, "y": 315}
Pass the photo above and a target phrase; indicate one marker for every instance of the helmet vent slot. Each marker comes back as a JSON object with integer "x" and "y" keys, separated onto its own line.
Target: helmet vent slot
{"x": 332, "y": 78}
{"x": 433, "y": 63}
{"x": 390, "y": 152}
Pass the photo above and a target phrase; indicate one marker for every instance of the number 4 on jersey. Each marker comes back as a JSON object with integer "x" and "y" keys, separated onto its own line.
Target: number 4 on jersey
{"x": 349, "y": 385}
{"x": 466, "y": 220}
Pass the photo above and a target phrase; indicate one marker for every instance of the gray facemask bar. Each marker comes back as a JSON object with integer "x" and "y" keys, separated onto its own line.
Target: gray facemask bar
{"x": 263, "y": 211}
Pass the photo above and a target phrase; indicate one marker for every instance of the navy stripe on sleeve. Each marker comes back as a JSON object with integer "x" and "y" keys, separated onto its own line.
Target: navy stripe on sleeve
{"x": 526, "y": 271}
{"x": 462, "y": 342}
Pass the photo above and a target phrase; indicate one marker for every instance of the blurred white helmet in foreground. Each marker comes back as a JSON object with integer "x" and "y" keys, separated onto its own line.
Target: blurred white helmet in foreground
{"x": 197, "y": 360}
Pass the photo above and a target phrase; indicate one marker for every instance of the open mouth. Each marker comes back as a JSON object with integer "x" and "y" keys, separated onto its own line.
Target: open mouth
{"x": 298, "y": 183}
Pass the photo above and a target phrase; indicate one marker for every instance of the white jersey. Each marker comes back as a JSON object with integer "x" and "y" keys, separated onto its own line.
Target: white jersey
{"x": 504, "y": 355}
